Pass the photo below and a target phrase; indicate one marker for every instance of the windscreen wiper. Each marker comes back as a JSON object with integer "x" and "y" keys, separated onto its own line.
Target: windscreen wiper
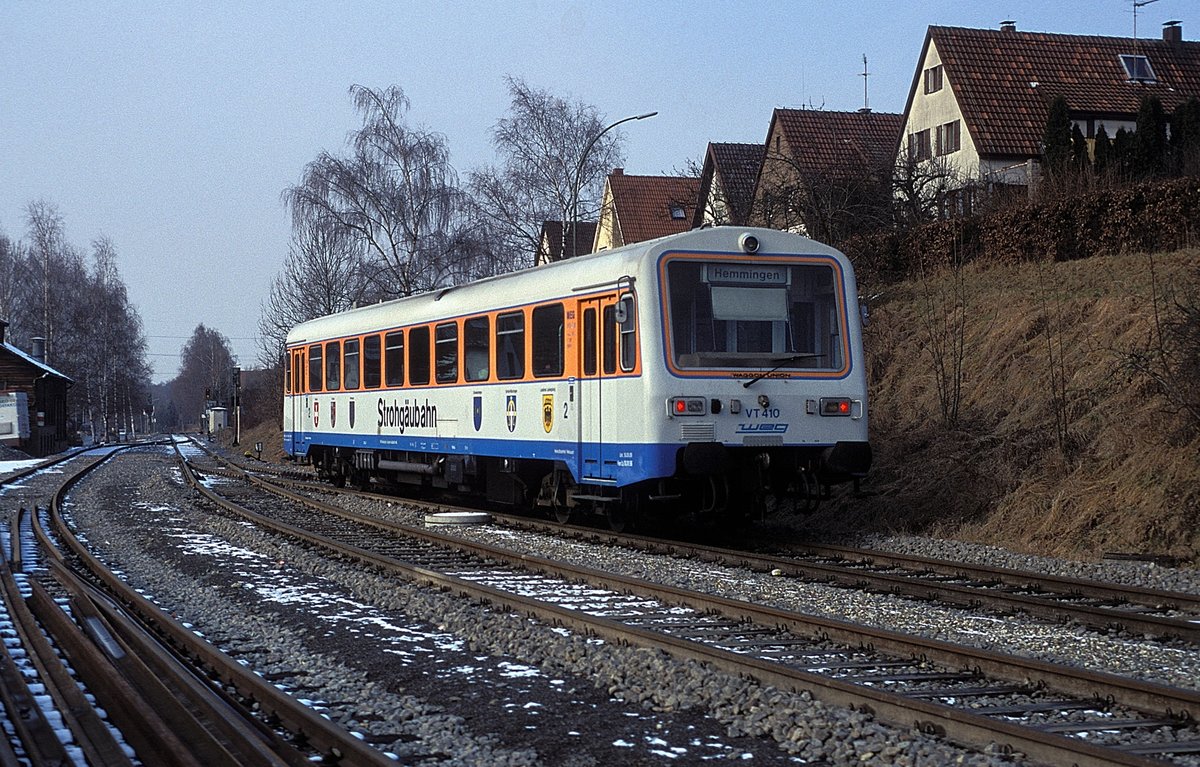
{"x": 782, "y": 362}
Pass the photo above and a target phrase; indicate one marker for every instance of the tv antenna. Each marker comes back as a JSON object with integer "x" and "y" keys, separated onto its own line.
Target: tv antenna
{"x": 1138, "y": 4}
{"x": 866, "y": 107}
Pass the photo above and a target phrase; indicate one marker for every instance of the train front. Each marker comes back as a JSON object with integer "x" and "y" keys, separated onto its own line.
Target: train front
{"x": 765, "y": 386}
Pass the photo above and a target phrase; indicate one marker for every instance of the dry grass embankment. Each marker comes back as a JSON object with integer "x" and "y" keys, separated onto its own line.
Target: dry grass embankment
{"x": 1123, "y": 476}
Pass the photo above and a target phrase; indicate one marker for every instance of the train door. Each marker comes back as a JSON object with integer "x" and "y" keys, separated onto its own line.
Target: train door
{"x": 592, "y": 423}
{"x": 296, "y": 401}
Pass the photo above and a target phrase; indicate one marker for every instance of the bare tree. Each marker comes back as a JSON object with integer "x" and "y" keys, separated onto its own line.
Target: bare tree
{"x": 205, "y": 366}
{"x": 93, "y": 334}
{"x": 48, "y": 250}
{"x": 943, "y": 311}
{"x": 541, "y": 143}
{"x": 324, "y": 272}
{"x": 924, "y": 189}
{"x": 829, "y": 203}
{"x": 396, "y": 193}
{"x": 12, "y": 258}
{"x": 113, "y": 374}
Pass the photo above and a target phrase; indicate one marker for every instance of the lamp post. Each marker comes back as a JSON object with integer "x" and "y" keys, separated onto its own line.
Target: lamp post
{"x": 579, "y": 172}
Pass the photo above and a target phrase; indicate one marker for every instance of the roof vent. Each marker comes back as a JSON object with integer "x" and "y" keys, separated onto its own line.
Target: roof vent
{"x": 1008, "y": 25}
{"x": 1172, "y": 32}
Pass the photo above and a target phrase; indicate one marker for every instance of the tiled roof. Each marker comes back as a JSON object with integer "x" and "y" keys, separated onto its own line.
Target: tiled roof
{"x": 577, "y": 243}
{"x": 642, "y": 204}
{"x": 822, "y": 141}
{"x": 992, "y": 73}
{"x": 736, "y": 168}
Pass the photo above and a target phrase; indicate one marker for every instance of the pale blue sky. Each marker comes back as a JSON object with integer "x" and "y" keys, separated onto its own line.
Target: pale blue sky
{"x": 172, "y": 127}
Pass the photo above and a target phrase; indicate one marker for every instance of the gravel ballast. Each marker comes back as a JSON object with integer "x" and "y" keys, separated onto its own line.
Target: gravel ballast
{"x": 440, "y": 680}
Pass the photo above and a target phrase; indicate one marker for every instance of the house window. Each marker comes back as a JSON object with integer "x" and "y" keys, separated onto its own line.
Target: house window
{"x": 919, "y": 145}
{"x": 677, "y": 211}
{"x": 1138, "y": 68}
{"x": 948, "y": 138}
{"x": 933, "y": 79}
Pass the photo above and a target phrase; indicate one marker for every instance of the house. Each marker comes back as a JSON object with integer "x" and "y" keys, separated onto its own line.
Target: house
{"x": 33, "y": 400}
{"x": 812, "y": 153}
{"x": 576, "y": 241}
{"x": 727, "y": 184}
{"x": 980, "y": 98}
{"x": 639, "y": 208}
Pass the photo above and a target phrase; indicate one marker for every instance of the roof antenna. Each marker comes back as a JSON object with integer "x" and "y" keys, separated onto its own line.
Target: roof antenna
{"x": 866, "y": 107}
{"x": 1138, "y": 4}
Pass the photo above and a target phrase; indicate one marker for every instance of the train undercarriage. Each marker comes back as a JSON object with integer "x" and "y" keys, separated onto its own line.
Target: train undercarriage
{"x": 711, "y": 482}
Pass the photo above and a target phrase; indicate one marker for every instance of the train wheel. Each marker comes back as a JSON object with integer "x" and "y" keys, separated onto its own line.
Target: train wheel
{"x": 808, "y": 492}
{"x": 554, "y": 495}
{"x": 563, "y": 513}
{"x": 625, "y": 513}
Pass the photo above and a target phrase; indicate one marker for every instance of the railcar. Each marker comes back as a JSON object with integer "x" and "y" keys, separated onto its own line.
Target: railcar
{"x": 699, "y": 371}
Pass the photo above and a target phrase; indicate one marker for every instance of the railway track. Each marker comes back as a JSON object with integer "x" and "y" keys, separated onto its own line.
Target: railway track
{"x": 1108, "y": 607}
{"x": 1105, "y": 606}
{"x": 83, "y": 642}
{"x": 1049, "y": 713}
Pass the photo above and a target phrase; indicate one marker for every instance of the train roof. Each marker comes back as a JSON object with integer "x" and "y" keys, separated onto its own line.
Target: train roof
{"x": 558, "y": 278}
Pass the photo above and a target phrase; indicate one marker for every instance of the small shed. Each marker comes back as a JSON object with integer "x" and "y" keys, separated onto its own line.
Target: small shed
{"x": 33, "y": 400}
{"x": 218, "y": 418}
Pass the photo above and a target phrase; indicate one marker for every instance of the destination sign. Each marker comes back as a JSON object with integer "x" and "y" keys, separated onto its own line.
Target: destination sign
{"x": 745, "y": 274}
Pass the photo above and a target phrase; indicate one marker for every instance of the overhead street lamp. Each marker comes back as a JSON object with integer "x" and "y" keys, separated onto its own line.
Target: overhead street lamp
{"x": 579, "y": 172}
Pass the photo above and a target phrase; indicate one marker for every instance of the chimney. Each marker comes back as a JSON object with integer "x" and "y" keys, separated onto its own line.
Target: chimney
{"x": 1172, "y": 32}
{"x": 3, "y": 326}
{"x": 38, "y": 351}
{"x": 1008, "y": 25}
{"x": 618, "y": 172}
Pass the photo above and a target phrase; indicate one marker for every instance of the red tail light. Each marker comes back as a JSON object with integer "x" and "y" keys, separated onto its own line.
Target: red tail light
{"x": 835, "y": 406}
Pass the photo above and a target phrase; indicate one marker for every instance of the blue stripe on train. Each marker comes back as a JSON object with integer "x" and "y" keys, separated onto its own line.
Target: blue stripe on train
{"x": 623, "y": 463}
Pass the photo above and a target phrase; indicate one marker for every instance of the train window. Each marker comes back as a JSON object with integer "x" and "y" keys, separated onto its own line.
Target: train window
{"x": 445, "y": 347}
{"x": 393, "y": 357}
{"x": 350, "y": 364}
{"x": 609, "y": 340}
{"x": 589, "y": 342}
{"x": 418, "y": 356}
{"x": 371, "y": 362}
{"x": 475, "y": 348}
{"x": 287, "y": 373}
{"x": 628, "y": 327}
{"x": 314, "y": 367}
{"x": 747, "y": 315}
{"x": 510, "y": 346}
{"x": 333, "y": 365}
{"x": 548, "y": 340}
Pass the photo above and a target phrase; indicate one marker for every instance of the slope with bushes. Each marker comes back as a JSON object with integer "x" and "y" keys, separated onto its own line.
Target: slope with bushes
{"x": 1038, "y": 406}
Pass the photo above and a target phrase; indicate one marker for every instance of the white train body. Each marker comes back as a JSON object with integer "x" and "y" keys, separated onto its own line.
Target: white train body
{"x": 717, "y": 360}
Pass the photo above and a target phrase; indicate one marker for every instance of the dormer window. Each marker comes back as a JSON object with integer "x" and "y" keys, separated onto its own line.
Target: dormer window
{"x": 1138, "y": 68}
{"x": 677, "y": 212}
